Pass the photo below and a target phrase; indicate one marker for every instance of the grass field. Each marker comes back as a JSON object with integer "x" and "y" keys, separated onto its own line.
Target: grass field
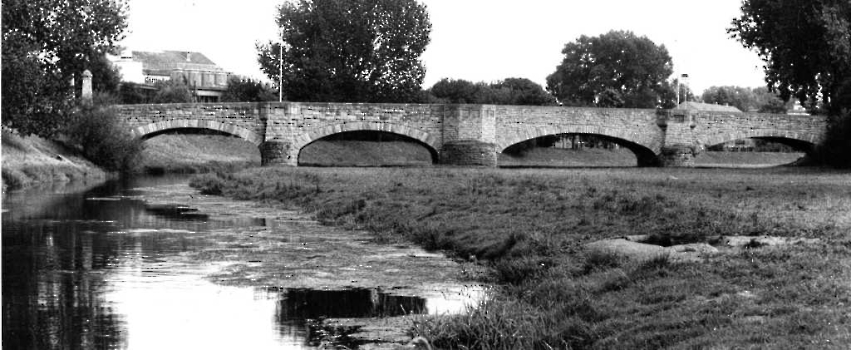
{"x": 530, "y": 227}
{"x": 364, "y": 153}
{"x": 196, "y": 153}
{"x": 32, "y": 160}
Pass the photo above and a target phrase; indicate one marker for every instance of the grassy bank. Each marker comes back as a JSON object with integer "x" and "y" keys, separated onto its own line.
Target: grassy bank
{"x": 31, "y": 160}
{"x": 364, "y": 153}
{"x": 555, "y": 157}
{"x": 745, "y": 159}
{"x": 196, "y": 153}
{"x": 531, "y": 227}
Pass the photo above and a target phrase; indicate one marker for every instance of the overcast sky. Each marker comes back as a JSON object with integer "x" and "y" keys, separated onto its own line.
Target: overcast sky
{"x": 476, "y": 40}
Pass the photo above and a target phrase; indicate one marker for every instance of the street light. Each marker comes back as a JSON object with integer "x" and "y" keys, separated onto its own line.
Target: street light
{"x": 281, "y": 66}
{"x": 684, "y": 80}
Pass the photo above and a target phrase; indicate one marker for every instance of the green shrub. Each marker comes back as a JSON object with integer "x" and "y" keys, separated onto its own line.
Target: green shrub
{"x": 101, "y": 138}
{"x": 211, "y": 184}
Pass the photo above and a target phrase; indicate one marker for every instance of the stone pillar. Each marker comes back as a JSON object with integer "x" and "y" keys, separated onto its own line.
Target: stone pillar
{"x": 469, "y": 132}
{"x": 278, "y": 152}
{"x": 469, "y": 152}
{"x": 678, "y": 155}
{"x": 86, "y": 96}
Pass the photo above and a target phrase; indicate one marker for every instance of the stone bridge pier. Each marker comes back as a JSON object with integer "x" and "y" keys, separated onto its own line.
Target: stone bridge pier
{"x": 472, "y": 135}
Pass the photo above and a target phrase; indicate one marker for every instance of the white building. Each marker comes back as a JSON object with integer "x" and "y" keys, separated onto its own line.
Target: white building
{"x": 207, "y": 80}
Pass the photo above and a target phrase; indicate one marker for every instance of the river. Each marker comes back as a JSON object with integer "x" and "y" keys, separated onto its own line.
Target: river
{"x": 148, "y": 263}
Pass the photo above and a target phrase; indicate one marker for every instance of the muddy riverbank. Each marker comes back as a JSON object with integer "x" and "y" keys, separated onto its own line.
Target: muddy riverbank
{"x": 149, "y": 263}
{"x": 284, "y": 250}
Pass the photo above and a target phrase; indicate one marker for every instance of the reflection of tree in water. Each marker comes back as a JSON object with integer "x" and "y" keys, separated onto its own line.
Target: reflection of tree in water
{"x": 300, "y": 304}
{"x": 51, "y": 290}
{"x": 57, "y": 252}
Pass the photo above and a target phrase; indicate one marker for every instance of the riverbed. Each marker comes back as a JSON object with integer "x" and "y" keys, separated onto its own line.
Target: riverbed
{"x": 149, "y": 263}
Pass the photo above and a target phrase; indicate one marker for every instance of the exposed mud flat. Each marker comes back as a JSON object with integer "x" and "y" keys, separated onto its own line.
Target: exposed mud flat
{"x": 285, "y": 250}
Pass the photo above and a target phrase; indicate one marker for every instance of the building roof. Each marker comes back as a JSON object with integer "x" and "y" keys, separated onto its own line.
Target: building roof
{"x": 166, "y": 61}
{"x": 706, "y": 107}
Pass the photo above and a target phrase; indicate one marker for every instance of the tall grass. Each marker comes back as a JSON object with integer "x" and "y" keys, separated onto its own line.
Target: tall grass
{"x": 530, "y": 227}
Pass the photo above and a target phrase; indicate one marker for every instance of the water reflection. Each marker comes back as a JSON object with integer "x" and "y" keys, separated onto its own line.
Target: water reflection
{"x": 300, "y": 304}
{"x": 101, "y": 270}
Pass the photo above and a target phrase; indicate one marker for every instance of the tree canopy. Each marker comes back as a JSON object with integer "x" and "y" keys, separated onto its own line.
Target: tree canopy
{"x": 616, "y": 69}
{"x": 511, "y": 91}
{"x": 241, "y": 89}
{"x": 349, "y": 50}
{"x": 806, "y": 46}
{"x": 45, "y": 44}
{"x": 745, "y": 99}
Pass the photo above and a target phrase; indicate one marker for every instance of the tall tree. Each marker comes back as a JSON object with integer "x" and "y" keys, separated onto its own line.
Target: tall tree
{"x": 45, "y": 44}
{"x": 805, "y": 44}
{"x": 349, "y": 50}
{"x": 616, "y": 69}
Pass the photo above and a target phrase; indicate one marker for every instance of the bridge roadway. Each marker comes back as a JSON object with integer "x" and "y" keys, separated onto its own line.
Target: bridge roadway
{"x": 472, "y": 134}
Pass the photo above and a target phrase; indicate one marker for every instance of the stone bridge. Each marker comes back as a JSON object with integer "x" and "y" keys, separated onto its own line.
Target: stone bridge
{"x": 472, "y": 134}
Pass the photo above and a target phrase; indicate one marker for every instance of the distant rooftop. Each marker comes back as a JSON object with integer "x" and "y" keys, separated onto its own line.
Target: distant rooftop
{"x": 706, "y": 107}
{"x": 166, "y": 61}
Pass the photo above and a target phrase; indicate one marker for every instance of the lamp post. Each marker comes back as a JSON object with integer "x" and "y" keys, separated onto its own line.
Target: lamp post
{"x": 684, "y": 80}
{"x": 281, "y": 66}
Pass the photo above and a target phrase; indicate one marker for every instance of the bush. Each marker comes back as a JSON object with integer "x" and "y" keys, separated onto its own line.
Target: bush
{"x": 101, "y": 138}
{"x": 835, "y": 151}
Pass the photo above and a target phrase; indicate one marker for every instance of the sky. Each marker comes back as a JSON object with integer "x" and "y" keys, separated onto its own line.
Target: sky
{"x": 475, "y": 40}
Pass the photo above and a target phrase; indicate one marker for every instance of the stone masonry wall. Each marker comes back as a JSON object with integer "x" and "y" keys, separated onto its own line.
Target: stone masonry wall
{"x": 283, "y": 129}
{"x": 302, "y": 123}
{"x": 520, "y": 123}
{"x": 242, "y": 119}
{"x": 714, "y": 128}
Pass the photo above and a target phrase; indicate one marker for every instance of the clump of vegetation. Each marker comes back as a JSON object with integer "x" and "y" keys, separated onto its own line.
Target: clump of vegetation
{"x": 530, "y": 227}
{"x": 96, "y": 131}
{"x": 241, "y": 89}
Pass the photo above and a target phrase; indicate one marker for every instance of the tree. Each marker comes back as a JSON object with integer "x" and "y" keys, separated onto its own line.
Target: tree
{"x": 616, "y": 69}
{"x": 766, "y": 101}
{"x": 740, "y": 97}
{"x": 454, "y": 91}
{"x": 745, "y": 99}
{"x": 522, "y": 91}
{"x": 806, "y": 46}
{"x": 106, "y": 78}
{"x": 246, "y": 90}
{"x": 172, "y": 91}
{"x": 349, "y": 50}
{"x": 511, "y": 91}
{"x": 45, "y": 44}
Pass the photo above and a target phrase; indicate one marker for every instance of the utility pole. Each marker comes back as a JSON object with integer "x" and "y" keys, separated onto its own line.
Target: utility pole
{"x": 281, "y": 66}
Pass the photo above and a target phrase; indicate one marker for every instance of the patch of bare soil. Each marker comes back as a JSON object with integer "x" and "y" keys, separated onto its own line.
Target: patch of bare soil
{"x": 634, "y": 248}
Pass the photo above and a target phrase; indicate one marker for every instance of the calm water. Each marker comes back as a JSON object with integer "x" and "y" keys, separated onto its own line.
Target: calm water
{"x": 100, "y": 269}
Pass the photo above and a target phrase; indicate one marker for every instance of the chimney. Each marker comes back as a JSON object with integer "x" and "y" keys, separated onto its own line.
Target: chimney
{"x": 188, "y": 56}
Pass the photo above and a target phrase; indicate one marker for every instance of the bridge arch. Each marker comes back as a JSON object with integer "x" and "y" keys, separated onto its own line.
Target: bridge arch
{"x": 429, "y": 141}
{"x": 802, "y": 141}
{"x": 645, "y": 147}
{"x": 155, "y": 128}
